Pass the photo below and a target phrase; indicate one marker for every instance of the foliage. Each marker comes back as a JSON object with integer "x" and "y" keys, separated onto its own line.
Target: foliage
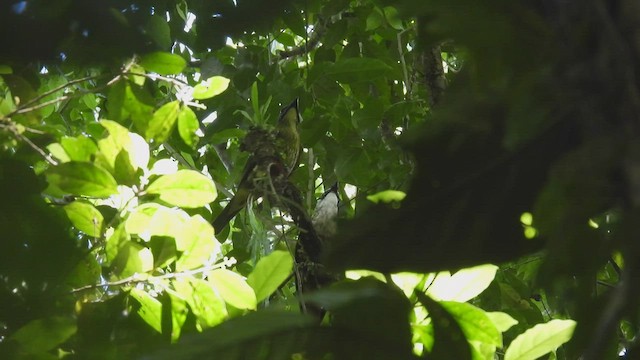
{"x": 462, "y": 134}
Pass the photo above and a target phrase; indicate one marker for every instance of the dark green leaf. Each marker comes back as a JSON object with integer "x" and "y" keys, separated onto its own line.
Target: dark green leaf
{"x": 353, "y": 70}
{"x": 45, "y": 334}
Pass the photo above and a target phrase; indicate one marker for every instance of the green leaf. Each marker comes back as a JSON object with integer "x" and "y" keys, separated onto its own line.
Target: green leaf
{"x": 123, "y": 171}
{"x": 474, "y": 323}
{"x": 449, "y": 339}
{"x": 391, "y": 14}
{"x": 179, "y": 314}
{"x": 115, "y": 241}
{"x": 155, "y": 220}
{"x": 58, "y": 152}
{"x": 162, "y": 122}
{"x": 540, "y": 340}
{"x": 270, "y": 272}
{"x": 387, "y": 196}
{"x": 82, "y": 178}
{"x": 45, "y": 334}
{"x": 132, "y": 258}
{"x": 150, "y": 309}
{"x": 197, "y": 243}
{"x": 163, "y": 63}
{"x": 211, "y": 87}
{"x": 502, "y": 321}
{"x": 86, "y": 272}
{"x": 353, "y": 70}
{"x": 185, "y": 188}
{"x": 79, "y": 148}
{"x": 187, "y": 126}
{"x": 5, "y": 69}
{"x": 205, "y": 304}
{"x": 139, "y": 106}
{"x": 464, "y": 285}
{"x": 121, "y": 139}
{"x": 158, "y": 30}
{"x": 233, "y": 288}
{"x": 85, "y": 217}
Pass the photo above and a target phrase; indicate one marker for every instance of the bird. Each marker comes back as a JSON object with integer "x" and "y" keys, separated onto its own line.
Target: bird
{"x": 286, "y": 146}
{"x": 310, "y": 273}
{"x": 326, "y": 213}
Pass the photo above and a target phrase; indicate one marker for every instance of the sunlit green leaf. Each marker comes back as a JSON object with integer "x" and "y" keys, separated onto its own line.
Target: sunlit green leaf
{"x": 185, "y": 188}
{"x": 115, "y": 241}
{"x": 58, "y": 152}
{"x": 79, "y": 148}
{"x": 162, "y": 122}
{"x": 502, "y": 321}
{"x": 474, "y": 323}
{"x": 386, "y": 196}
{"x": 45, "y": 334}
{"x": 540, "y": 340}
{"x": 163, "y": 63}
{"x": 270, "y": 272}
{"x": 205, "y": 304}
{"x": 211, "y": 87}
{"x": 449, "y": 340}
{"x": 82, "y": 178}
{"x": 188, "y": 125}
{"x": 150, "y": 309}
{"x": 464, "y": 285}
{"x": 179, "y": 314}
{"x": 85, "y": 217}
{"x": 196, "y": 242}
{"x": 132, "y": 258}
{"x": 233, "y": 288}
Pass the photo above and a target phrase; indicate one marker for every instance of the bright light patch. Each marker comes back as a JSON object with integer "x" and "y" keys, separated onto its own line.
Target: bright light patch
{"x": 593, "y": 224}
{"x": 530, "y": 232}
{"x": 526, "y": 218}
{"x": 210, "y": 118}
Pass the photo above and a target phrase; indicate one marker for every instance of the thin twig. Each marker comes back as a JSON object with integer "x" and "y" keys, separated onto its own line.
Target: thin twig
{"x": 140, "y": 278}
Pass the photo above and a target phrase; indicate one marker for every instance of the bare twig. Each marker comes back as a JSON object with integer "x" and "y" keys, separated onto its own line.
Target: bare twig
{"x": 140, "y": 278}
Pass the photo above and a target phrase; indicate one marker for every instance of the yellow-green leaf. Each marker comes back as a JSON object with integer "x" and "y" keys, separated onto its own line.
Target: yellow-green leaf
{"x": 150, "y": 309}
{"x": 211, "y": 87}
{"x": 269, "y": 273}
{"x": 233, "y": 288}
{"x": 185, "y": 188}
{"x": 540, "y": 340}
{"x": 197, "y": 243}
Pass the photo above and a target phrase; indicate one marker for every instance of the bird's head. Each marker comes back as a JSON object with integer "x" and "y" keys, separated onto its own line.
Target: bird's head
{"x": 289, "y": 115}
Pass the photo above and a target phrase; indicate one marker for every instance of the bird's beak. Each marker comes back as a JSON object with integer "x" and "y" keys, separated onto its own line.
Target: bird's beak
{"x": 289, "y": 111}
